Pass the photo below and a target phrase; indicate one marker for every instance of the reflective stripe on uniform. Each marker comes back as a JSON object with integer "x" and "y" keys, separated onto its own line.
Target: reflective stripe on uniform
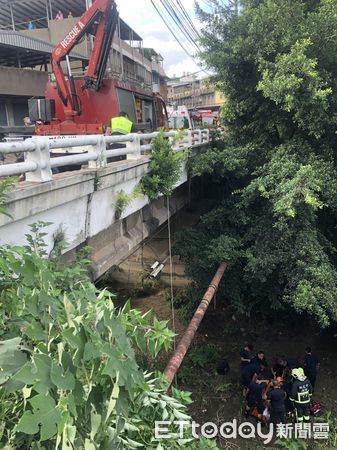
{"x": 303, "y": 398}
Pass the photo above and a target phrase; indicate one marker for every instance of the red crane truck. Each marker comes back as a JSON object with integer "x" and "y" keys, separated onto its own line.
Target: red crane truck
{"x": 84, "y": 105}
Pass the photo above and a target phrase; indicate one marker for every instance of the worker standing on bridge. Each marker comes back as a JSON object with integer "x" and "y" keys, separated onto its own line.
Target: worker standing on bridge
{"x": 122, "y": 124}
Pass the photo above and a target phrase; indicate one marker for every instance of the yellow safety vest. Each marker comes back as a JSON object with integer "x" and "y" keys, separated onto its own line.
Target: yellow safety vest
{"x": 121, "y": 125}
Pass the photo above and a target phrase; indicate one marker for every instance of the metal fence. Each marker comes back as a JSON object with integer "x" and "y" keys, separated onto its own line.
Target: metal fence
{"x": 42, "y": 155}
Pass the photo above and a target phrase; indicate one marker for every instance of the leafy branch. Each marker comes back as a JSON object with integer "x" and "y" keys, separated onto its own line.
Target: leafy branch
{"x": 165, "y": 169}
{"x": 4, "y": 188}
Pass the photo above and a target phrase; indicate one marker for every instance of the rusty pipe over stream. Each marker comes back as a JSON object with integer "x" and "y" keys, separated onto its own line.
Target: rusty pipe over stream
{"x": 181, "y": 350}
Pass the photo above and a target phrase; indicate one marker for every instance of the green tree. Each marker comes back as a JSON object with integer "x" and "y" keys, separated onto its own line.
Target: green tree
{"x": 4, "y": 188}
{"x": 276, "y": 170}
{"x": 164, "y": 168}
{"x": 70, "y": 377}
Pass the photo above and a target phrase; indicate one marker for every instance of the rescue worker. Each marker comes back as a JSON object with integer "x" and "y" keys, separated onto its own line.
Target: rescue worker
{"x": 246, "y": 355}
{"x": 122, "y": 124}
{"x": 301, "y": 391}
{"x": 276, "y": 401}
{"x": 291, "y": 362}
{"x": 254, "y": 396}
{"x": 311, "y": 365}
{"x": 278, "y": 367}
{"x": 119, "y": 126}
{"x": 249, "y": 371}
{"x": 260, "y": 358}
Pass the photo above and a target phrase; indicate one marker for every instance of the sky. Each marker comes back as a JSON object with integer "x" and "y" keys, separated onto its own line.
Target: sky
{"x": 143, "y": 18}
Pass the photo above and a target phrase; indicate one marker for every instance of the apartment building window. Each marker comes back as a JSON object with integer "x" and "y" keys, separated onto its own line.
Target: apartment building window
{"x": 141, "y": 73}
{"x": 3, "y": 115}
{"x": 115, "y": 61}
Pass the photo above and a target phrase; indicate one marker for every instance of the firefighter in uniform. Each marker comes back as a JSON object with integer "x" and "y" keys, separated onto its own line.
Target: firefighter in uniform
{"x": 301, "y": 391}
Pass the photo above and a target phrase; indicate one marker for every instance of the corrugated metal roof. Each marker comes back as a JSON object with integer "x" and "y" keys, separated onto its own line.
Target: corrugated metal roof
{"x": 15, "y": 39}
{"x": 36, "y": 11}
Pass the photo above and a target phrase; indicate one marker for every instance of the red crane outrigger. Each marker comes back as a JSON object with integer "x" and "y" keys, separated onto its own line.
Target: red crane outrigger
{"x": 100, "y": 20}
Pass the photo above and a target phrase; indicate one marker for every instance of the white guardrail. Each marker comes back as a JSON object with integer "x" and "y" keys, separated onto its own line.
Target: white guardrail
{"x": 40, "y": 152}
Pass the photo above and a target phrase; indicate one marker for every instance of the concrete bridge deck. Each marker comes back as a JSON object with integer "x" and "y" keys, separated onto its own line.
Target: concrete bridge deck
{"x": 81, "y": 208}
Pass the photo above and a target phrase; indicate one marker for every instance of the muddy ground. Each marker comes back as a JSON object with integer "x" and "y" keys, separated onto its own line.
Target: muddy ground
{"x": 221, "y": 335}
{"x": 219, "y": 398}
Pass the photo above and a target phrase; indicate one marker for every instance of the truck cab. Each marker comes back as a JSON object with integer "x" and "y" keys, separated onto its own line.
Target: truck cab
{"x": 179, "y": 118}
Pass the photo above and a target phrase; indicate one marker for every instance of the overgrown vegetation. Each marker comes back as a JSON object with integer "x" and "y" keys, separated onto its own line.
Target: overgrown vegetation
{"x": 4, "y": 188}
{"x": 146, "y": 285}
{"x": 276, "y": 171}
{"x": 69, "y": 373}
{"x": 164, "y": 168}
{"x": 186, "y": 300}
{"x": 199, "y": 357}
{"x": 123, "y": 200}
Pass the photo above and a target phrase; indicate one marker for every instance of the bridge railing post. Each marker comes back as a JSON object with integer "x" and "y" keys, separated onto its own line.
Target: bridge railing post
{"x": 197, "y": 137}
{"x": 100, "y": 150}
{"x": 177, "y": 141}
{"x": 133, "y": 148}
{"x": 189, "y": 138}
{"x": 205, "y": 135}
{"x": 41, "y": 157}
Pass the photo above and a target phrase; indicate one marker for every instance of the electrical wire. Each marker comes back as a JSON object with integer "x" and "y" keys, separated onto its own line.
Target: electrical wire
{"x": 184, "y": 25}
{"x": 178, "y": 24}
{"x": 184, "y": 19}
{"x": 166, "y": 13}
{"x": 172, "y": 31}
{"x": 170, "y": 8}
{"x": 185, "y": 13}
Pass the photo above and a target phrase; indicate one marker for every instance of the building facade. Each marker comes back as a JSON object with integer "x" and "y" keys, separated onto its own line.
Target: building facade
{"x": 194, "y": 93}
{"x": 25, "y": 68}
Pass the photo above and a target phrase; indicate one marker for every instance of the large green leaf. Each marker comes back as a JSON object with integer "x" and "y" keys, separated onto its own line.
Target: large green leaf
{"x": 113, "y": 398}
{"x": 36, "y": 373}
{"x": 44, "y": 417}
{"x": 63, "y": 380}
{"x": 35, "y": 331}
{"x": 11, "y": 358}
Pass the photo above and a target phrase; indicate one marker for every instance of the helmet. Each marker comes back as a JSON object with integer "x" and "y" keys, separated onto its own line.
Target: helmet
{"x": 300, "y": 374}
{"x": 294, "y": 373}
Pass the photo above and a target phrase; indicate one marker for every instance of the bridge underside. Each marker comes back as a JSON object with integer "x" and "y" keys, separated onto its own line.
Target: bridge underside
{"x": 117, "y": 242}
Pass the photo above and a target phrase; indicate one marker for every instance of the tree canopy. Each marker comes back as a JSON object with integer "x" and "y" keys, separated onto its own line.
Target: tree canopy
{"x": 275, "y": 223}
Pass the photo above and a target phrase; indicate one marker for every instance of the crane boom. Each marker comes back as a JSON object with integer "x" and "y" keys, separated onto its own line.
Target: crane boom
{"x": 84, "y": 104}
{"x": 99, "y": 20}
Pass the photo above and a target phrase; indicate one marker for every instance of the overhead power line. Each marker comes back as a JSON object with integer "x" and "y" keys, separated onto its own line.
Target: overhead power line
{"x": 186, "y": 26}
{"x": 171, "y": 30}
{"x": 185, "y": 13}
{"x": 177, "y": 19}
{"x": 180, "y": 25}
